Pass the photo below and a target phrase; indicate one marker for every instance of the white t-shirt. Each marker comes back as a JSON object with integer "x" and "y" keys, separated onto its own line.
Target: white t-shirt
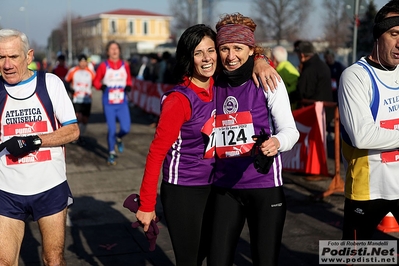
{"x": 369, "y": 112}
{"x": 81, "y": 83}
{"x": 24, "y": 113}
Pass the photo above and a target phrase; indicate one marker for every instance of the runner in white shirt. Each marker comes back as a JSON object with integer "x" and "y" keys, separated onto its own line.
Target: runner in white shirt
{"x": 81, "y": 78}
{"x": 37, "y": 118}
{"x": 369, "y": 114}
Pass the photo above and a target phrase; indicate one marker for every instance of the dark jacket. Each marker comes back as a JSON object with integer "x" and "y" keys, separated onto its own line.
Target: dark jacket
{"x": 314, "y": 82}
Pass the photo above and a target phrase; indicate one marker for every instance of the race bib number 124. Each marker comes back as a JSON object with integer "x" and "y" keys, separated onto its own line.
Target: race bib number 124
{"x": 233, "y": 134}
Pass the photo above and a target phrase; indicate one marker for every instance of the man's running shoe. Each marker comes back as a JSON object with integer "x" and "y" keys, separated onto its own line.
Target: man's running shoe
{"x": 119, "y": 144}
{"x": 111, "y": 159}
{"x": 81, "y": 141}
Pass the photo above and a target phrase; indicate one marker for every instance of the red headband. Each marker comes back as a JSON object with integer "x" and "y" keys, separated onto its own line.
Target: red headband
{"x": 235, "y": 33}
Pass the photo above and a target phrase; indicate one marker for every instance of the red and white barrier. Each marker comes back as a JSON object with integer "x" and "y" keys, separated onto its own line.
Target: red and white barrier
{"x": 147, "y": 95}
{"x": 309, "y": 154}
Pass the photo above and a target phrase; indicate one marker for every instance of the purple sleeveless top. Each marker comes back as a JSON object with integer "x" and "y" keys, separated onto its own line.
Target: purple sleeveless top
{"x": 241, "y": 112}
{"x": 185, "y": 163}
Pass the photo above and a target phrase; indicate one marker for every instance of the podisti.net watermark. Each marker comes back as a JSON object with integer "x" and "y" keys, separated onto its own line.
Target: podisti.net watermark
{"x": 358, "y": 252}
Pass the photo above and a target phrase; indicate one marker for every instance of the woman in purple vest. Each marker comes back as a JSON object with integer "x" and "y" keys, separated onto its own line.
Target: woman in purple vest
{"x": 248, "y": 175}
{"x": 183, "y": 144}
{"x": 184, "y": 130}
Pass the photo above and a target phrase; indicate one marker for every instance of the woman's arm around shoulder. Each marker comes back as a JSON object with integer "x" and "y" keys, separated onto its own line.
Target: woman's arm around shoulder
{"x": 279, "y": 105}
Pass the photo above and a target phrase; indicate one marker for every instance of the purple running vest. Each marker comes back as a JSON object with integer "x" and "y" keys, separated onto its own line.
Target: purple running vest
{"x": 241, "y": 111}
{"x": 184, "y": 163}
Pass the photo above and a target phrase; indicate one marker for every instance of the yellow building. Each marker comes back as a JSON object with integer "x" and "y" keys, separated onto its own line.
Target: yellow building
{"x": 137, "y": 31}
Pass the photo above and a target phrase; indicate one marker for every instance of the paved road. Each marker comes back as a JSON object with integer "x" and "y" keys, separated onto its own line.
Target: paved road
{"x": 99, "y": 231}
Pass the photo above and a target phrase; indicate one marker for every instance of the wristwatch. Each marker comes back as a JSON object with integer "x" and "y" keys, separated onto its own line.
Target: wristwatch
{"x": 37, "y": 141}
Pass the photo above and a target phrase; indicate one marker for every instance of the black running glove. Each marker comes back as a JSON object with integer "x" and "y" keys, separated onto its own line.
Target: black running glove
{"x": 262, "y": 163}
{"x": 128, "y": 89}
{"x": 104, "y": 88}
{"x": 18, "y": 146}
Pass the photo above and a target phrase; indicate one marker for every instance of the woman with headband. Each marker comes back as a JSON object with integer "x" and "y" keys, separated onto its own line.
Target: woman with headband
{"x": 183, "y": 144}
{"x": 248, "y": 175}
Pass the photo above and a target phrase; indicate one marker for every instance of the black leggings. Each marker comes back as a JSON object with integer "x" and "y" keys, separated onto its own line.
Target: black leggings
{"x": 187, "y": 216}
{"x": 265, "y": 211}
{"x": 361, "y": 218}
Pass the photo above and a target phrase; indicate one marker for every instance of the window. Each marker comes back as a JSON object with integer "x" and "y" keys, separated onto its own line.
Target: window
{"x": 93, "y": 28}
{"x": 130, "y": 27}
{"x": 99, "y": 30}
{"x": 145, "y": 27}
{"x": 112, "y": 26}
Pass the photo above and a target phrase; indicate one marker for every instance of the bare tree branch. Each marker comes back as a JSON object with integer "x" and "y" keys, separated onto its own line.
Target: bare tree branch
{"x": 280, "y": 19}
{"x": 337, "y": 24}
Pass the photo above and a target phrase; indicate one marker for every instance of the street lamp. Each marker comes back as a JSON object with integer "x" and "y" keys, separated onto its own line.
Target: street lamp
{"x": 199, "y": 11}
{"x": 69, "y": 34}
{"x": 24, "y": 9}
{"x": 354, "y": 8}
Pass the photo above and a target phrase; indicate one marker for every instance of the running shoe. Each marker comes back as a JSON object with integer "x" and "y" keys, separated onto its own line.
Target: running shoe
{"x": 111, "y": 159}
{"x": 119, "y": 144}
{"x": 81, "y": 141}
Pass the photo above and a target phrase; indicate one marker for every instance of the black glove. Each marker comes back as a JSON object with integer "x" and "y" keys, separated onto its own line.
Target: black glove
{"x": 103, "y": 87}
{"x": 18, "y": 146}
{"x": 128, "y": 88}
{"x": 261, "y": 162}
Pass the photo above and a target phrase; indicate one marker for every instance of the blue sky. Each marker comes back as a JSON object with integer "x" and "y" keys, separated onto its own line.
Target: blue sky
{"x": 38, "y": 18}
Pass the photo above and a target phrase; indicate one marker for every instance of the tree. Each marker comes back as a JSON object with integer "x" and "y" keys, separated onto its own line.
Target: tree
{"x": 58, "y": 40}
{"x": 186, "y": 14}
{"x": 280, "y": 19}
{"x": 39, "y": 51}
{"x": 337, "y": 24}
{"x": 365, "y": 40}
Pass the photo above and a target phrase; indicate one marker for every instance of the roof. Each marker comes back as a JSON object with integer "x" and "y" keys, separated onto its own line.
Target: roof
{"x": 131, "y": 12}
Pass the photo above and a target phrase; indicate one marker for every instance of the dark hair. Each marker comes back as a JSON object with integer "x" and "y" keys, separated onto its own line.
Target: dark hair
{"x": 329, "y": 51}
{"x": 391, "y": 7}
{"x": 61, "y": 57}
{"x": 109, "y": 44}
{"x": 306, "y": 48}
{"x": 82, "y": 56}
{"x": 166, "y": 55}
{"x": 296, "y": 44}
{"x": 153, "y": 56}
{"x": 188, "y": 41}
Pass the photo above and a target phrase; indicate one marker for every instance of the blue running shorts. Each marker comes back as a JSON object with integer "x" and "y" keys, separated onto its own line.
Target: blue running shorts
{"x": 39, "y": 205}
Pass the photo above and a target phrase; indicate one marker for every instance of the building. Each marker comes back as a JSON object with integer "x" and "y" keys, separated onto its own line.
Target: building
{"x": 137, "y": 31}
